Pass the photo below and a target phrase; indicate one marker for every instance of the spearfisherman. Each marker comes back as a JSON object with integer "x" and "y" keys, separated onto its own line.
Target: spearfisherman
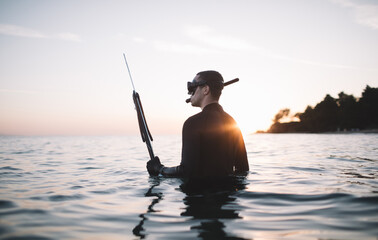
{"x": 212, "y": 144}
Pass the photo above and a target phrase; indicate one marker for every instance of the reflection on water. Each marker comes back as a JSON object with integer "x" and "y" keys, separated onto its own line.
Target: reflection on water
{"x": 210, "y": 201}
{"x": 139, "y": 230}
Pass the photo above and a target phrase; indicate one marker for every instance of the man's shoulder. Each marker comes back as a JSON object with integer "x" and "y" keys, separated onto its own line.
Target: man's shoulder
{"x": 229, "y": 117}
{"x": 196, "y": 118}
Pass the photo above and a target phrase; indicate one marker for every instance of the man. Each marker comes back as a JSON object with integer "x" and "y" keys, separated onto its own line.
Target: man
{"x": 212, "y": 144}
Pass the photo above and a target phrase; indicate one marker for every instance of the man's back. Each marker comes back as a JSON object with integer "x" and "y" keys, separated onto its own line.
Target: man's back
{"x": 212, "y": 144}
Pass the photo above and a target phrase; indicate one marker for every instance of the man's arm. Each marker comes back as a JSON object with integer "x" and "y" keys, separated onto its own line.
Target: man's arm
{"x": 190, "y": 153}
{"x": 155, "y": 168}
{"x": 172, "y": 171}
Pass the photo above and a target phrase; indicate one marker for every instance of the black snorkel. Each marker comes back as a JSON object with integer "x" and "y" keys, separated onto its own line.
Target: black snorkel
{"x": 192, "y": 86}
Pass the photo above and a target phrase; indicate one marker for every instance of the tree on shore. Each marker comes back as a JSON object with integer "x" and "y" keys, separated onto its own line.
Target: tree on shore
{"x": 369, "y": 107}
{"x": 344, "y": 113}
{"x": 281, "y": 114}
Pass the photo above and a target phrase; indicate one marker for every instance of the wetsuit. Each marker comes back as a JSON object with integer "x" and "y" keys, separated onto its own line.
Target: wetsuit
{"x": 213, "y": 146}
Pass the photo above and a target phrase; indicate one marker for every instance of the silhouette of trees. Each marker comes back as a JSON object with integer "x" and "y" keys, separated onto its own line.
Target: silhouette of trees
{"x": 369, "y": 107}
{"x": 344, "y": 113}
{"x": 282, "y": 127}
{"x": 281, "y": 114}
{"x": 348, "y": 112}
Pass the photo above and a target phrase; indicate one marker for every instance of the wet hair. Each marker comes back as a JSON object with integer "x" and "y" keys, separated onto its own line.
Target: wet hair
{"x": 214, "y": 80}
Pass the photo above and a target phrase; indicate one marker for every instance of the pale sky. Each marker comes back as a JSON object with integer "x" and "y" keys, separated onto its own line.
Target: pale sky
{"x": 62, "y": 71}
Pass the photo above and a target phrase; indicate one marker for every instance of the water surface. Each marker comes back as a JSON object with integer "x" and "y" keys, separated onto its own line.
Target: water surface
{"x": 300, "y": 186}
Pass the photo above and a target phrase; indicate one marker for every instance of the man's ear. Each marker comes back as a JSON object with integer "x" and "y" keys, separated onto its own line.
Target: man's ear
{"x": 206, "y": 90}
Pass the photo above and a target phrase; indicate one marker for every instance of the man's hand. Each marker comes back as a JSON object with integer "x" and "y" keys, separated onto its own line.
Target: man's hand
{"x": 154, "y": 166}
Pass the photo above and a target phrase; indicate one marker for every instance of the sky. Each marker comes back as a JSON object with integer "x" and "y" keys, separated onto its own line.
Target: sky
{"x": 62, "y": 70}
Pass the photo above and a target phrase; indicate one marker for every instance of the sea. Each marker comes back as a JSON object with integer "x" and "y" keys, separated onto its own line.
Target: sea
{"x": 300, "y": 186}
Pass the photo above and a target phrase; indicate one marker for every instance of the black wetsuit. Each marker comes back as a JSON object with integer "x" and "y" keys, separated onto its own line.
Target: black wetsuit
{"x": 213, "y": 146}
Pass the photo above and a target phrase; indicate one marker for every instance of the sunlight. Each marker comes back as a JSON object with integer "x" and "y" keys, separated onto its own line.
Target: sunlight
{"x": 249, "y": 114}
{"x": 249, "y": 125}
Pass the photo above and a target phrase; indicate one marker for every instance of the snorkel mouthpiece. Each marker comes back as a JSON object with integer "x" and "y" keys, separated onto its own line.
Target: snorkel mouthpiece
{"x": 192, "y": 86}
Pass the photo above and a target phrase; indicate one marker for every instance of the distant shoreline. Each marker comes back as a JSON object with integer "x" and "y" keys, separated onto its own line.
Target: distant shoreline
{"x": 345, "y": 114}
{"x": 375, "y": 130}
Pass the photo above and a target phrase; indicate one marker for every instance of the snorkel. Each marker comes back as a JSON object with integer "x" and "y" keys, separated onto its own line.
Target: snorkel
{"x": 192, "y": 86}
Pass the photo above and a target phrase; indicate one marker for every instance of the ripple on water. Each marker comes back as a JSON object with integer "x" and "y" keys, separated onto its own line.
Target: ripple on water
{"x": 24, "y": 211}
{"x": 104, "y": 192}
{"x": 351, "y": 158}
{"x": 7, "y": 204}
{"x": 10, "y": 168}
{"x": 300, "y": 198}
{"x": 22, "y": 152}
{"x": 307, "y": 169}
{"x": 90, "y": 168}
{"x": 27, "y": 237}
{"x": 61, "y": 198}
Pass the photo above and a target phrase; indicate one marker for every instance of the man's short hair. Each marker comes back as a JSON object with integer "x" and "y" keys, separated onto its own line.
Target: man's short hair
{"x": 214, "y": 80}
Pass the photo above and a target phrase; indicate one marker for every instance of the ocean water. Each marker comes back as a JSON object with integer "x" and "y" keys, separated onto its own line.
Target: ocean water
{"x": 300, "y": 186}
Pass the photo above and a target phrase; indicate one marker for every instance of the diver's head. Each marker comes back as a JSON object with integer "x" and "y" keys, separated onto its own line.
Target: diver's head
{"x": 205, "y": 88}
{"x": 215, "y": 82}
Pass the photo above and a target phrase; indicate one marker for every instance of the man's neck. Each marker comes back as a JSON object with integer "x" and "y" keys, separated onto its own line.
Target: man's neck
{"x": 205, "y": 103}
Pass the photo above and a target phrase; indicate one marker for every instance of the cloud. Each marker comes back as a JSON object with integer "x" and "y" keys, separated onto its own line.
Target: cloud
{"x": 181, "y": 48}
{"x": 69, "y": 37}
{"x": 13, "y": 30}
{"x": 313, "y": 63}
{"x": 365, "y": 14}
{"x": 139, "y": 40}
{"x": 225, "y": 43}
{"x": 208, "y": 41}
{"x": 168, "y": 46}
{"x": 212, "y": 39}
{"x": 209, "y": 37}
{"x": 17, "y": 91}
{"x": 19, "y": 31}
